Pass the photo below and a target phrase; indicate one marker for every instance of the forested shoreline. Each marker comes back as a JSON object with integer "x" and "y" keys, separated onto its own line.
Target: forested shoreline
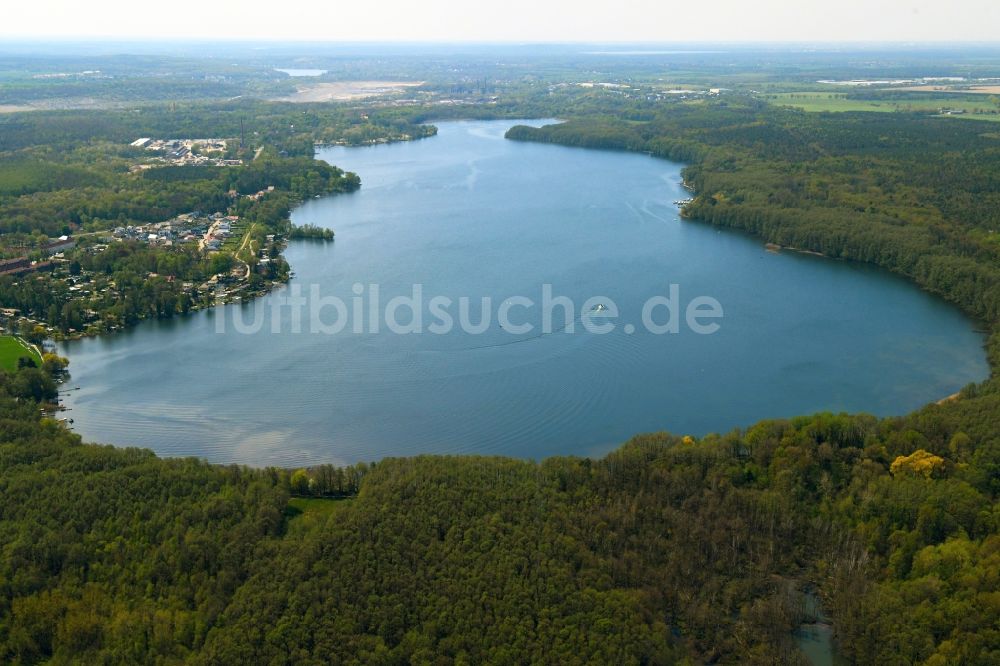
{"x": 855, "y": 186}
{"x": 667, "y": 550}
{"x": 76, "y": 174}
{"x": 907, "y": 192}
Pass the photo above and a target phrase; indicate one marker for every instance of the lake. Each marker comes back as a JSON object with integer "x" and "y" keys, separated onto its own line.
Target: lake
{"x": 301, "y": 72}
{"x": 468, "y": 213}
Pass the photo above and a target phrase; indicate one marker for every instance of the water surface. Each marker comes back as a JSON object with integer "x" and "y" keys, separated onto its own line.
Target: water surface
{"x": 468, "y": 213}
{"x": 301, "y": 72}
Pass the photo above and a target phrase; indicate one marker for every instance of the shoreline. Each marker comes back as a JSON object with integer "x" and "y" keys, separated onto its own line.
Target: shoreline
{"x": 954, "y": 397}
{"x": 774, "y": 248}
{"x": 272, "y": 286}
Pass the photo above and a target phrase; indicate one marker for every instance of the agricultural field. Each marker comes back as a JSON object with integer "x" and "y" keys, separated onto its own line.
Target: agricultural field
{"x": 978, "y": 107}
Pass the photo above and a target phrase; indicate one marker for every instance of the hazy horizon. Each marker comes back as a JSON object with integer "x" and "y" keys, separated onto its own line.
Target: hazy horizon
{"x": 515, "y": 21}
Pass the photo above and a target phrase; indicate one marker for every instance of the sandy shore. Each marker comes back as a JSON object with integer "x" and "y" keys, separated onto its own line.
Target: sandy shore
{"x": 775, "y": 248}
{"x": 949, "y": 398}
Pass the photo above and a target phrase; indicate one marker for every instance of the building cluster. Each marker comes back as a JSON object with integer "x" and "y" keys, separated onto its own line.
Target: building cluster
{"x": 209, "y": 152}
{"x": 218, "y": 232}
{"x": 208, "y": 231}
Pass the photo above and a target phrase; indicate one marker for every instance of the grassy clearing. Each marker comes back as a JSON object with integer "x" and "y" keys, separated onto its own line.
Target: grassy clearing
{"x": 13, "y": 348}
{"x": 316, "y": 507}
{"x": 822, "y": 101}
{"x": 306, "y": 514}
{"x": 978, "y": 108}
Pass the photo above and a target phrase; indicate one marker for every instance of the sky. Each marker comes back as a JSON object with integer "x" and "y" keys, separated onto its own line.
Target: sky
{"x": 509, "y": 20}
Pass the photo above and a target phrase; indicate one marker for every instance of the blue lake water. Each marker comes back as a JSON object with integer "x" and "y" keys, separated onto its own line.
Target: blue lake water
{"x": 468, "y": 213}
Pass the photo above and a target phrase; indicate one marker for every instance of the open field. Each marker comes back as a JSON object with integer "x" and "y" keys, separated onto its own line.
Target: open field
{"x": 977, "y": 107}
{"x": 821, "y": 101}
{"x": 339, "y": 91}
{"x": 64, "y": 104}
{"x": 13, "y": 348}
{"x": 310, "y": 513}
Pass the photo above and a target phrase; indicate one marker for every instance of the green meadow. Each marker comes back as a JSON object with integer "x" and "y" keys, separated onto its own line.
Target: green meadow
{"x": 13, "y": 348}
{"x": 980, "y": 107}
